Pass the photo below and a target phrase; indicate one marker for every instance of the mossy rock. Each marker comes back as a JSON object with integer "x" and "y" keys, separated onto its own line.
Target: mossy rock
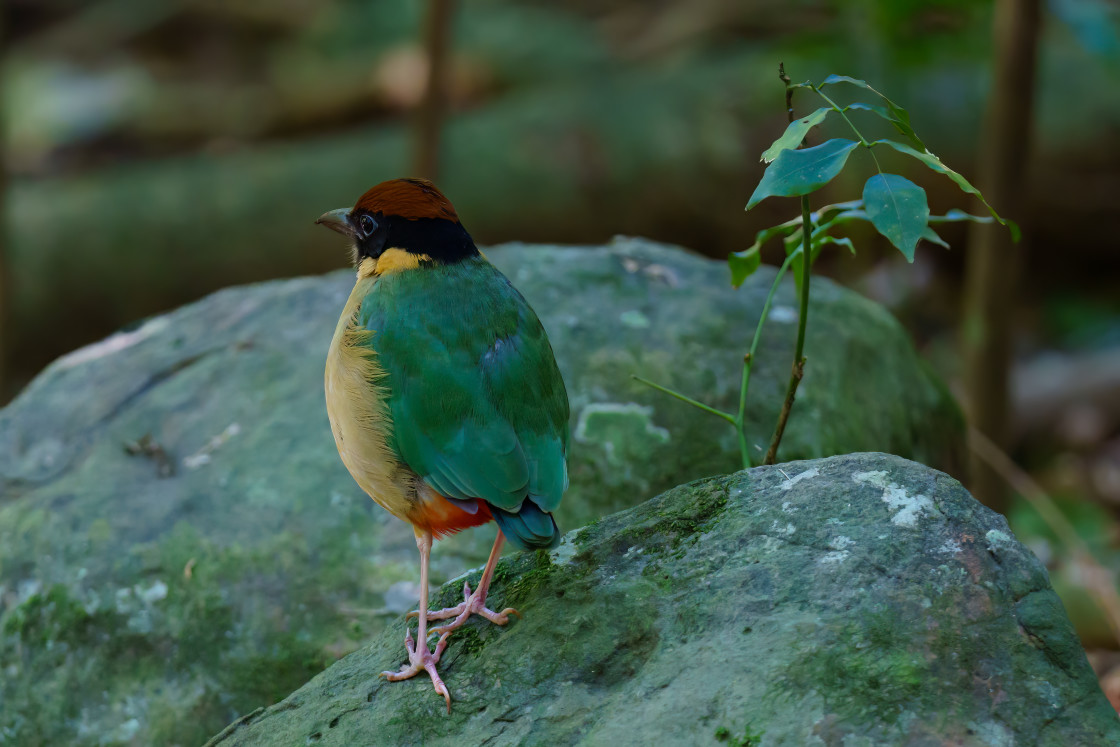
{"x": 151, "y": 589}
{"x": 861, "y": 599}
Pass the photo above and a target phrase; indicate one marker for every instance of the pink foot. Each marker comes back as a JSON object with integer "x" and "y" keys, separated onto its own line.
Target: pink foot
{"x": 472, "y": 604}
{"x": 419, "y": 659}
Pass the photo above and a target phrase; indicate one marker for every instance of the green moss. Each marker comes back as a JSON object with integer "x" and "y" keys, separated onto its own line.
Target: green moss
{"x": 663, "y": 529}
{"x": 100, "y": 532}
{"x": 116, "y": 642}
{"x": 867, "y": 668}
{"x": 468, "y": 641}
{"x": 708, "y": 500}
{"x": 749, "y": 739}
{"x": 267, "y": 677}
{"x": 48, "y": 617}
{"x": 65, "y": 648}
{"x": 529, "y": 579}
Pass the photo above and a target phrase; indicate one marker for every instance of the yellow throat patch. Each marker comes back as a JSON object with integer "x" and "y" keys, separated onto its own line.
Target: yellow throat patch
{"x": 390, "y": 261}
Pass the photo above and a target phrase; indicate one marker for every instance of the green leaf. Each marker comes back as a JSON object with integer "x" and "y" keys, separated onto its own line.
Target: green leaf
{"x": 847, "y": 216}
{"x": 930, "y": 235}
{"x": 845, "y": 79}
{"x": 799, "y": 172}
{"x": 900, "y": 118}
{"x": 820, "y": 242}
{"x": 894, "y": 114}
{"x": 795, "y": 133}
{"x": 860, "y": 106}
{"x": 793, "y": 242}
{"x": 898, "y": 209}
{"x": 743, "y": 264}
{"x": 935, "y": 164}
{"x": 837, "y": 207}
{"x": 781, "y": 229}
{"x": 956, "y": 216}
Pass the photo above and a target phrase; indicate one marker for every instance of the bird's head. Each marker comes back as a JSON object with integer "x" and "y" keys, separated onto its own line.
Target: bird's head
{"x": 410, "y": 215}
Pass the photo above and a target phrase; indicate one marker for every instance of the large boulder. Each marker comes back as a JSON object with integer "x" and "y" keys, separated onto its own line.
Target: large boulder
{"x": 861, "y": 599}
{"x": 179, "y": 542}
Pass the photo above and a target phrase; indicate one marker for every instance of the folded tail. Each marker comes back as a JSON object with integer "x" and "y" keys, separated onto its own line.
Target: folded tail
{"x": 529, "y": 528}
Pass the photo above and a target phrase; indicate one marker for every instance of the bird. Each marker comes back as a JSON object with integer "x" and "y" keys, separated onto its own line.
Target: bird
{"x": 443, "y": 394}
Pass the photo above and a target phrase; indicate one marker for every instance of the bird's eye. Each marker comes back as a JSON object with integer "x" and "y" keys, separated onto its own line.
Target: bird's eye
{"x": 367, "y": 224}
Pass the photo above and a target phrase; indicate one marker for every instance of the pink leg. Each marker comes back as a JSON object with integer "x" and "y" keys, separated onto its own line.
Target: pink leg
{"x": 419, "y": 658}
{"x": 475, "y": 603}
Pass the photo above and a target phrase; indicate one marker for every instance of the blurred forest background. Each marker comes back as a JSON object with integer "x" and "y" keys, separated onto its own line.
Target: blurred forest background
{"x": 157, "y": 150}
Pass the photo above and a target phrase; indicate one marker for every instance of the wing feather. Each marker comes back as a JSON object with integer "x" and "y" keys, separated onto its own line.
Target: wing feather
{"x": 478, "y": 404}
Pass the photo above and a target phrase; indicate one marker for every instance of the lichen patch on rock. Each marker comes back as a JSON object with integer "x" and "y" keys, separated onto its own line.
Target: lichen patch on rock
{"x": 907, "y": 507}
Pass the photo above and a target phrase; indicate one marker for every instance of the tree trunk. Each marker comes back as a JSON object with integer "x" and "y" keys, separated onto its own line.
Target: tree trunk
{"x": 5, "y": 300}
{"x": 429, "y": 123}
{"x": 993, "y": 262}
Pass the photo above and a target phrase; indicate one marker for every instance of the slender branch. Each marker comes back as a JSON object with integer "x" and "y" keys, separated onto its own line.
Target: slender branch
{"x": 838, "y": 110}
{"x": 744, "y": 449}
{"x": 798, "y": 359}
{"x": 683, "y": 398}
{"x": 862, "y": 140}
{"x": 738, "y": 420}
{"x": 806, "y": 269}
{"x": 770, "y": 299}
{"x": 789, "y": 90}
{"x": 748, "y": 359}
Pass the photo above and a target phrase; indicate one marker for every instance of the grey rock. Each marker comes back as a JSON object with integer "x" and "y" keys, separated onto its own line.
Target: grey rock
{"x": 151, "y": 589}
{"x": 861, "y": 599}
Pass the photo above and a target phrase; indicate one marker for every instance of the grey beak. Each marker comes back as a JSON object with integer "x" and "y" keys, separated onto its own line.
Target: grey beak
{"x": 338, "y": 220}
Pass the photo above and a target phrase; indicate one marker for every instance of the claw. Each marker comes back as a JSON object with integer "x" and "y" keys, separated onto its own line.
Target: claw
{"x": 474, "y": 603}
{"x": 420, "y": 659}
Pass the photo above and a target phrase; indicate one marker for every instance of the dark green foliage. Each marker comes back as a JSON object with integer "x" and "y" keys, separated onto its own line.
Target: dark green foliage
{"x": 895, "y": 206}
{"x": 898, "y": 209}
{"x": 799, "y": 172}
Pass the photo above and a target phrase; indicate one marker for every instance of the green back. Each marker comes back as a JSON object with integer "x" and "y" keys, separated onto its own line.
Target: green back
{"x": 478, "y": 405}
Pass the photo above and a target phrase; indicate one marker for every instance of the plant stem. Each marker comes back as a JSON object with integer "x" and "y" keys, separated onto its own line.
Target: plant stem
{"x": 798, "y": 359}
{"x": 683, "y": 398}
{"x": 748, "y": 359}
{"x": 740, "y": 419}
{"x": 838, "y": 110}
{"x": 862, "y": 140}
{"x": 744, "y": 450}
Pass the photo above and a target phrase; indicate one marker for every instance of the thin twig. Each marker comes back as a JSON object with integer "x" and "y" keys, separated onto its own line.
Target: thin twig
{"x": 683, "y": 398}
{"x": 798, "y": 369}
{"x": 789, "y": 91}
{"x": 744, "y": 383}
{"x": 1094, "y": 578}
{"x": 748, "y": 359}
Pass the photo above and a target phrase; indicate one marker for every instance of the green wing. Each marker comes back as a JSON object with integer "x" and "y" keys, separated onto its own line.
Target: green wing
{"x": 478, "y": 405}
